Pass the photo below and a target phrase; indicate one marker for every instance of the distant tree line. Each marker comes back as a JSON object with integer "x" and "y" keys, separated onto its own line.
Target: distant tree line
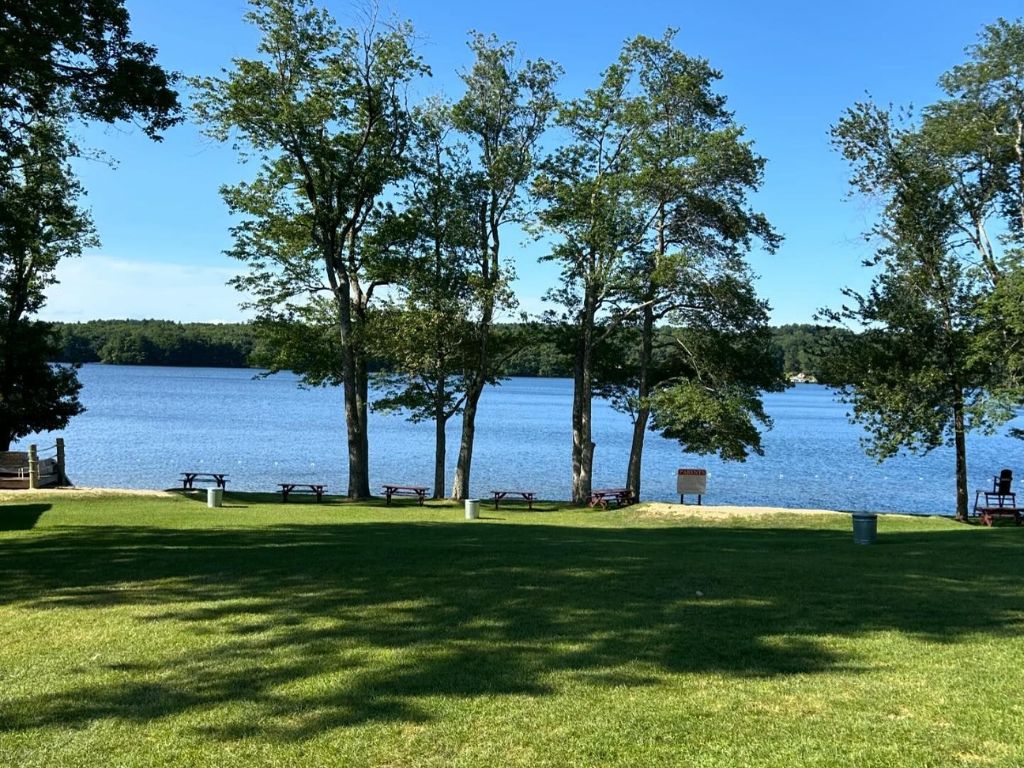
{"x": 806, "y": 348}
{"x": 799, "y": 347}
{"x": 238, "y": 345}
{"x": 156, "y": 342}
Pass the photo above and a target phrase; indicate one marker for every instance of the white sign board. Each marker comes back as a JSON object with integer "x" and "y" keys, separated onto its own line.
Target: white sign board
{"x": 692, "y": 481}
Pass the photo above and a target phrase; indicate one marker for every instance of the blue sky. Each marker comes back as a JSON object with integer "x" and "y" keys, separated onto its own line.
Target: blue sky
{"x": 789, "y": 70}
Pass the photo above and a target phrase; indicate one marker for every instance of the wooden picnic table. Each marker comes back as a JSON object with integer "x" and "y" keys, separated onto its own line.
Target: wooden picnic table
{"x": 1005, "y": 506}
{"x": 314, "y": 488}
{"x": 528, "y": 495}
{"x": 419, "y": 491}
{"x": 188, "y": 478}
{"x": 600, "y": 497}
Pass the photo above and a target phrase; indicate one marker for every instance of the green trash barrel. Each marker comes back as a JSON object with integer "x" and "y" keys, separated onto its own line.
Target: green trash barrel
{"x": 865, "y": 529}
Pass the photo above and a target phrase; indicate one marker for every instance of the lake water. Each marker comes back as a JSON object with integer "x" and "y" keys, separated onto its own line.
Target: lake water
{"x": 145, "y": 425}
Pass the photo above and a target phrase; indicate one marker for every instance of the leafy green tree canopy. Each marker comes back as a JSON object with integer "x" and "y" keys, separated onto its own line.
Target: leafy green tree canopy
{"x": 939, "y": 356}
{"x": 60, "y": 61}
{"x": 77, "y": 58}
{"x": 35, "y": 396}
{"x": 323, "y": 111}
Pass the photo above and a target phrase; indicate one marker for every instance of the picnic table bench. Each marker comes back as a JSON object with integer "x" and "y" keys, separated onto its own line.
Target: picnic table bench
{"x": 1005, "y": 506}
{"x": 528, "y": 495}
{"x": 419, "y": 491}
{"x": 316, "y": 489}
{"x": 600, "y": 497}
{"x": 188, "y": 478}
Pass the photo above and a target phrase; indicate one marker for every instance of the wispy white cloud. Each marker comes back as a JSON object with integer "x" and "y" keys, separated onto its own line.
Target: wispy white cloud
{"x": 103, "y": 287}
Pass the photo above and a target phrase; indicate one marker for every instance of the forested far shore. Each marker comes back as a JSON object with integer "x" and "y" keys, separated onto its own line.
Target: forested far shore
{"x": 236, "y": 345}
{"x": 157, "y": 342}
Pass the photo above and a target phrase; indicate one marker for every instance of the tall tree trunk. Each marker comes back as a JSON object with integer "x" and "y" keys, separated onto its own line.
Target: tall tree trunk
{"x": 460, "y": 483}
{"x": 474, "y": 389}
{"x": 440, "y": 379}
{"x": 582, "y": 440}
{"x": 356, "y": 418}
{"x": 643, "y": 414}
{"x": 356, "y": 396}
{"x": 582, "y": 435}
{"x": 490, "y": 245}
{"x": 960, "y": 444}
{"x": 440, "y": 438}
{"x": 358, "y": 475}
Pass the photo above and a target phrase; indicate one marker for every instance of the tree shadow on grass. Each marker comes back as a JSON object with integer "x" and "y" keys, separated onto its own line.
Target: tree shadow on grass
{"x": 21, "y": 517}
{"x": 327, "y": 626}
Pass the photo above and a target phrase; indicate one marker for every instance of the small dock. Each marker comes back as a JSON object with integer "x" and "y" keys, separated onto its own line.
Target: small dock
{"x": 26, "y": 470}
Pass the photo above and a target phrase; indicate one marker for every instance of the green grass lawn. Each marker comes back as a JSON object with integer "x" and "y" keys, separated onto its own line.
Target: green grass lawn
{"x": 157, "y": 632}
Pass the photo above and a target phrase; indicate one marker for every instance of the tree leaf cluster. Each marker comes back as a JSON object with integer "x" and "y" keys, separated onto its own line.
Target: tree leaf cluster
{"x": 61, "y": 62}
{"x": 75, "y": 59}
{"x": 939, "y": 355}
{"x": 648, "y": 203}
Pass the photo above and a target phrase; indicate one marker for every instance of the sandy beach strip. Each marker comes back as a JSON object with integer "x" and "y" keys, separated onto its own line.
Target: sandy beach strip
{"x": 77, "y": 492}
{"x": 664, "y": 510}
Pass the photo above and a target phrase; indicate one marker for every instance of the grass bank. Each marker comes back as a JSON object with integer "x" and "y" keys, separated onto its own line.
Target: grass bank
{"x": 156, "y": 632}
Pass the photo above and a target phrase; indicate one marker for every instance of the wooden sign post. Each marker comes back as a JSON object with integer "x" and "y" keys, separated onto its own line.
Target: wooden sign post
{"x": 691, "y": 481}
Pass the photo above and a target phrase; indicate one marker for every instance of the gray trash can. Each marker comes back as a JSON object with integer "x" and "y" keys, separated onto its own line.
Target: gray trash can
{"x": 472, "y": 509}
{"x": 214, "y": 497}
{"x": 865, "y": 529}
